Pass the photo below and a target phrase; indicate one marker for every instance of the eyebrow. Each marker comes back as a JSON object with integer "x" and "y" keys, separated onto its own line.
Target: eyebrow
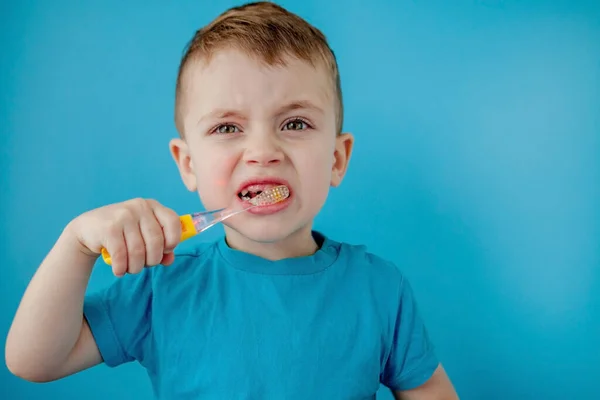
{"x": 222, "y": 113}
{"x": 300, "y": 105}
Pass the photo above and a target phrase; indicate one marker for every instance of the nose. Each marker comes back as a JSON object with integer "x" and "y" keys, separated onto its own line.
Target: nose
{"x": 262, "y": 150}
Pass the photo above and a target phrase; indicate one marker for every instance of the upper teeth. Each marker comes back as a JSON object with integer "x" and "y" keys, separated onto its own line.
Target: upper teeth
{"x": 246, "y": 193}
{"x": 256, "y": 188}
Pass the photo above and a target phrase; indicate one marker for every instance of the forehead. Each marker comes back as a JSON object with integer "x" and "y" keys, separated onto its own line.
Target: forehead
{"x": 233, "y": 79}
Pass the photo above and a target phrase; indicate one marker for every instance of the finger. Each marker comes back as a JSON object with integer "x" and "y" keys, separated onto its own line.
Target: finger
{"x": 154, "y": 240}
{"x": 168, "y": 259}
{"x": 117, "y": 248}
{"x": 136, "y": 250}
{"x": 171, "y": 227}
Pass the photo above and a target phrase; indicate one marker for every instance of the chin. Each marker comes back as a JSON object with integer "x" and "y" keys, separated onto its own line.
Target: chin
{"x": 260, "y": 235}
{"x": 264, "y": 231}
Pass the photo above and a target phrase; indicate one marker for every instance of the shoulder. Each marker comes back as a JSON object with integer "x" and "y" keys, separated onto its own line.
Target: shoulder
{"x": 194, "y": 252}
{"x": 383, "y": 277}
{"x": 191, "y": 258}
{"x": 359, "y": 258}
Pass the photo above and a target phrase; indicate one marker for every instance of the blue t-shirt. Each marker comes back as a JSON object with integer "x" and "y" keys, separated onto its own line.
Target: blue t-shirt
{"x": 223, "y": 324}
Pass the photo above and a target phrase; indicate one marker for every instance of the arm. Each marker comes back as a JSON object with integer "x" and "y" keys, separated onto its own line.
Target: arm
{"x": 412, "y": 370}
{"x": 438, "y": 387}
{"x": 49, "y": 338}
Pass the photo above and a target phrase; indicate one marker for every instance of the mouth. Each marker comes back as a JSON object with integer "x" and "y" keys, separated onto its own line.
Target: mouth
{"x": 254, "y": 187}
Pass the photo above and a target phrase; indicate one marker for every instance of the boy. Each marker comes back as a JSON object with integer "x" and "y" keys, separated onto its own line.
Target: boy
{"x": 274, "y": 310}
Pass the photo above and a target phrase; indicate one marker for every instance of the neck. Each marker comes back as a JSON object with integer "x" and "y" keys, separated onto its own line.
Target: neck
{"x": 300, "y": 243}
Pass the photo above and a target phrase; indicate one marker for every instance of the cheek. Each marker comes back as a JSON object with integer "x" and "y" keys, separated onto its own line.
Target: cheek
{"x": 213, "y": 173}
{"x": 315, "y": 173}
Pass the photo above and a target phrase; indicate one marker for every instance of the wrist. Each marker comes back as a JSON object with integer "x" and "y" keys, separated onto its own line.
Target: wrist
{"x": 70, "y": 242}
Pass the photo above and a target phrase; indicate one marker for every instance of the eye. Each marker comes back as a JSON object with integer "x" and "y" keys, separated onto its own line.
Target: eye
{"x": 296, "y": 124}
{"x": 225, "y": 129}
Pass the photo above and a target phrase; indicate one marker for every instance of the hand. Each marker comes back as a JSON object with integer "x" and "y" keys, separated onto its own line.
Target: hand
{"x": 137, "y": 233}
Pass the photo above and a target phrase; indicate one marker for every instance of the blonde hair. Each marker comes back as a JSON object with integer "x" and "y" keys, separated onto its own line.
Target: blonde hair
{"x": 267, "y": 31}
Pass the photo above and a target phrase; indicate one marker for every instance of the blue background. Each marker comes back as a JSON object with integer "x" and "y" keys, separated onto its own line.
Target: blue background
{"x": 477, "y": 166}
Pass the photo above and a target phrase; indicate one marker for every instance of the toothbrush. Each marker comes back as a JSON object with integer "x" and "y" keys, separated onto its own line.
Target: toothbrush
{"x": 195, "y": 223}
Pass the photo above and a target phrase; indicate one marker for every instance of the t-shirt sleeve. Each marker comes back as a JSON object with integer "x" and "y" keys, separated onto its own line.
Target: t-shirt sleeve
{"x": 411, "y": 360}
{"x": 119, "y": 318}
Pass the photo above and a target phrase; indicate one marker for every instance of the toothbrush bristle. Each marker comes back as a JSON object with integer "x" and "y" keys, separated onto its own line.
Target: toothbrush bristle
{"x": 271, "y": 196}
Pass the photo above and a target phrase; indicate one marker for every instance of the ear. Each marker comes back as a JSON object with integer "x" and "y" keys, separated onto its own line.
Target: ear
{"x": 181, "y": 155}
{"x": 341, "y": 157}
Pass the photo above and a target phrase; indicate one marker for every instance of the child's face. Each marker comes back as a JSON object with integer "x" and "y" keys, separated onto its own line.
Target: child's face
{"x": 246, "y": 121}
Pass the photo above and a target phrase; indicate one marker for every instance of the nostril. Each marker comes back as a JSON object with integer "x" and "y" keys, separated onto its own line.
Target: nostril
{"x": 263, "y": 154}
{"x": 268, "y": 162}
